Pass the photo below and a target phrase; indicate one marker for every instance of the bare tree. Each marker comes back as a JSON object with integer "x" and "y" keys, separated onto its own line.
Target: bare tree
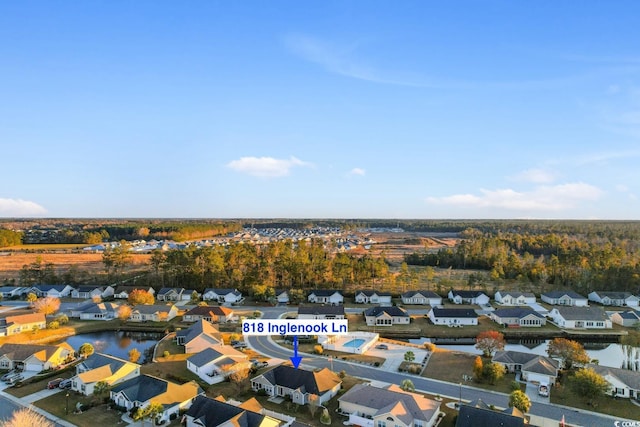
{"x": 26, "y": 417}
{"x": 47, "y": 305}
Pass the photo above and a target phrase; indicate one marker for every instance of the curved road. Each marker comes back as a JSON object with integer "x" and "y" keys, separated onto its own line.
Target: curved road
{"x": 266, "y": 346}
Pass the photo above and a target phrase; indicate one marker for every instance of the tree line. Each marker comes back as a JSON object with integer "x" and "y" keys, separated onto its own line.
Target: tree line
{"x": 9, "y": 238}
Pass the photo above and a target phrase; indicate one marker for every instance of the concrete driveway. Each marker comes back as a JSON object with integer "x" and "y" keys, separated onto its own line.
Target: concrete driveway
{"x": 532, "y": 392}
{"x": 45, "y": 392}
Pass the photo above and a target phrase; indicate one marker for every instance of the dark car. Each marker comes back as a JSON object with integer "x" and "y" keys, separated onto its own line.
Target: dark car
{"x": 382, "y": 347}
{"x": 239, "y": 345}
{"x": 55, "y": 383}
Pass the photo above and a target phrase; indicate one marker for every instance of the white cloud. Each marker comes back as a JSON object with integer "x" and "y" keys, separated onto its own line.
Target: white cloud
{"x": 266, "y": 167}
{"x": 358, "y": 171}
{"x": 621, "y": 188}
{"x": 19, "y": 207}
{"x": 536, "y": 176}
{"x": 542, "y": 198}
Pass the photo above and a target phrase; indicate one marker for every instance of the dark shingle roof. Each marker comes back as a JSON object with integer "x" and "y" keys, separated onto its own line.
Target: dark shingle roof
{"x": 308, "y": 381}
{"x": 324, "y": 292}
{"x": 467, "y": 294}
{"x": 559, "y": 294}
{"x": 97, "y": 360}
{"x": 582, "y": 313}
{"x": 518, "y": 312}
{"x": 212, "y": 413}
{"x": 142, "y": 388}
{"x": 454, "y": 312}
{"x": 391, "y": 311}
{"x": 426, "y": 294}
{"x": 205, "y": 356}
{"x": 470, "y": 416}
{"x": 370, "y": 293}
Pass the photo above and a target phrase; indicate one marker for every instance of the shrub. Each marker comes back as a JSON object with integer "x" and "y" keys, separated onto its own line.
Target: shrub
{"x": 53, "y": 325}
{"x": 342, "y": 374}
{"x": 166, "y": 353}
{"x": 318, "y": 349}
{"x": 515, "y": 385}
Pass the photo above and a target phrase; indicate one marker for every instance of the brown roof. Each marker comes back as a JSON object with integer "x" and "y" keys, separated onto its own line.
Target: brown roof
{"x": 21, "y": 352}
{"x": 26, "y": 318}
{"x": 252, "y": 405}
{"x": 209, "y": 310}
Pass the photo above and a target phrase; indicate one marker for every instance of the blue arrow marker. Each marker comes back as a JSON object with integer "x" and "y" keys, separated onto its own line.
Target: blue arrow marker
{"x": 295, "y": 359}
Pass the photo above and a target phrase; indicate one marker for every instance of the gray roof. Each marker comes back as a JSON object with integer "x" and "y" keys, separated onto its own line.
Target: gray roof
{"x": 142, "y": 388}
{"x": 519, "y": 312}
{"x": 392, "y": 311}
{"x": 560, "y": 294}
{"x": 614, "y": 295}
{"x": 370, "y": 293}
{"x": 97, "y": 360}
{"x": 324, "y": 292}
{"x": 582, "y": 313}
{"x": 212, "y": 413}
{"x": 225, "y": 291}
{"x": 100, "y": 307}
{"x": 630, "y": 378}
{"x": 530, "y": 362}
{"x": 164, "y": 291}
{"x": 517, "y": 294}
{"x": 198, "y": 328}
{"x": 154, "y": 308}
{"x": 426, "y": 294}
{"x": 454, "y": 312}
{"x": 307, "y": 381}
{"x": 322, "y": 310}
{"x": 629, "y": 315}
{"x": 471, "y": 416}
{"x": 467, "y": 294}
{"x": 205, "y": 356}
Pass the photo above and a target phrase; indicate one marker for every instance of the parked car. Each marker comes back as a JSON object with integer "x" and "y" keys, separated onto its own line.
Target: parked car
{"x": 54, "y": 383}
{"x": 543, "y": 390}
{"x": 65, "y": 384}
{"x": 8, "y": 378}
{"x": 239, "y": 345}
{"x": 259, "y": 363}
{"x": 15, "y": 379}
{"x": 8, "y": 375}
{"x": 382, "y": 347}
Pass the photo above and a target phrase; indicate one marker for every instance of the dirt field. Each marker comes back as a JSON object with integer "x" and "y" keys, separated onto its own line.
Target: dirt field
{"x": 12, "y": 262}
{"x": 397, "y": 245}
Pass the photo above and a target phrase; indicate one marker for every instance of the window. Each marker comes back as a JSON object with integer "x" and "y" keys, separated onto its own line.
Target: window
{"x": 381, "y": 423}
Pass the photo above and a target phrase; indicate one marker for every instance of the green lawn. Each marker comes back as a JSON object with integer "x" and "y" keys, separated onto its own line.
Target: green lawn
{"x": 98, "y": 415}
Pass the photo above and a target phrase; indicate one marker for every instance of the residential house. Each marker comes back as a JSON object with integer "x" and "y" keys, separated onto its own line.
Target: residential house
{"x": 282, "y": 296}
{"x": 514, "y": 298}
{"x": 12, "y": 292}
{"x": 97, "y": 311}
{"x": 569, "y": 298}
{"x": 325, "y": 296}
{"x": 207, "y": 412}
{"x": 321, "y": 312}
{"x": 34, "y": 357}
{"x": 518, "y": 317}
{"x": 153, "y": 313}
{"x": 468, "y": 297}
{"x": 481, "y": 415}
{"x": 223, "y": 296}
{"x": 386, "y": 316}
{"x": 123, "y": 292}
{"x": 628, "y": 318}
{"x": 216, "y": 363}
{"x": 198, "y": 336}
{"x": 210, "y": 313}
{"x": 617, "y": 299}
{"x": 373, "y": 297}
{"x": 170, "y": 294}
{"x": 57, "y": 291}
{"x": 532, "y": 367}
{"x": 298, "y": 383}
{"x": 91, "y": 292}
{"x": 391, "y": 406}
{"x": 140, "y": 391}
{"x": 11, "y": 325}
{"x": 580, "y": 318}
{"x": 453, "y": 316}
{"x": 624, "y": 382}
{"x": 102, "y": 367}
{"x": 422, "y": 298}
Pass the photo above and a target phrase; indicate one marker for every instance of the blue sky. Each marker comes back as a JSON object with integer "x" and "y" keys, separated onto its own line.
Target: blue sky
{"x": 367, "y": 109}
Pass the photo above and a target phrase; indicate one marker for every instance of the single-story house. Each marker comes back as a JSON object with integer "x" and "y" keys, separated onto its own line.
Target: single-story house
{"x": 580, "y": 318}
{"x": 421, "y": 298}
{"x": 372, "y": 297}
{"x": 453, "y": 316}
{"x": 140, "y": 391}
{"x": 325, "y": 296}
{"x": 624, "y": 382}
{"x": 214, "y": 364}
{"x": 102, "y": 367}
{"x": 628, "y": 318}
{"x": 210, "y": 313}
{"x": 532, "y": 367}
{"x": 617, "y": 299}
{"x": 321, "y": 312}
{"x": 514, "y": 298}
{"x": 207, "y": 412}
{"x": 171, "y": 294}
{"x": 153, "y": 313}
{"x": 568, "y": 298}
{"x": 96, "y": 311}
{"x": 392, "y": 406}
{"x": 123, "y": 292}
{"x": 479, "y": 414}
{"x": 386, "y": 316}
{"x": 298, "y": 383}
{"x": 518, "y": 317}
{"x": 58, "y": 291}
{"x": 198, "y": 336}
{"x": 223, "y": 296}
{"x": 11, "y": 325}
{"x": 468, "y": 297}
{"x": 91, "y": 292}
{"x": 34, "y": 357}
{"x": 282, "y": 296}
{"x": 9, "y": 292}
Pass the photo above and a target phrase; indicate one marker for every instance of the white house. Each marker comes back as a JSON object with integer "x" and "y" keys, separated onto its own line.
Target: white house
{"x": 9, "y": 292}
{"x": 153, "y": 313}
{"x": 514, "y": 298}
{"x": 123, "y": 292}
{"x": 580, "y": 318}
{"x": 532, "y": 367}
{"x": 421, "y": 298}
{"x": 518, "y": 317}
{"x": 96, "y": 311}
{"x": 373, "y": 297}
{"x": 216, "y": 363}
{"x": 223, "y": 296}
{"x": 57, "y": 291}
{"x": 140, "y": 391}
{"x": 568, "y": 298}
{"x": 298, "y": 384}
{"x": 321, "y": 312}
{"x": 170, "y": 294}
{"x": 617, "y": 299}
{"x": 386, "y": 316}
{"x": 323, "y": 296}
{"x": 468, "y": 297}
{"x": 102, "y": 367}
{"x": 210, "y": 313}
{"x": 91, "y": 292}
{"x": 282, "y": 296}
{"x": 198, "y": 336}
{"x": 628, "y": 318}
{"x": 453, "y": 316}
{"x": 624, "y": 382}
{"x": 391, "y": 406}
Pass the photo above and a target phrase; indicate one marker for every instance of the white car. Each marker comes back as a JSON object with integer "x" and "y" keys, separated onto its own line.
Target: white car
{"x": 543, "y": 390}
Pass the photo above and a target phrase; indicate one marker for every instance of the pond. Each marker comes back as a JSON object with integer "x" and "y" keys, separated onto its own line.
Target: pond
{"x": 118, "y": 343}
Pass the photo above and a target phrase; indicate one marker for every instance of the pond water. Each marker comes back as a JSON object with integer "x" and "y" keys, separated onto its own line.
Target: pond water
{"x": 608, "y": 354}
{"x": 118, "y": 343}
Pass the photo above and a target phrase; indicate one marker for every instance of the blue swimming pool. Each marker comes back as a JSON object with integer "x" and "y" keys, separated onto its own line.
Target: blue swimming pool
{"x": 354, "y": 343}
